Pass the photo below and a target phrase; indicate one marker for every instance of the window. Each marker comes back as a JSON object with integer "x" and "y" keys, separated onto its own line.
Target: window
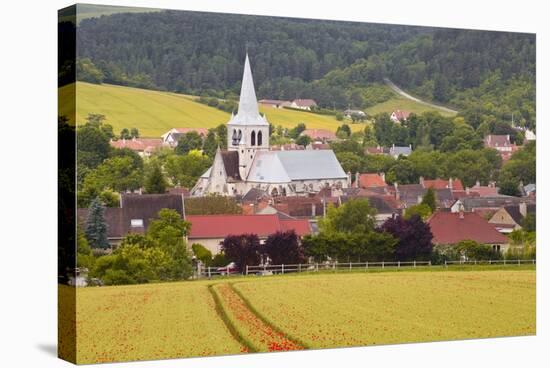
{"x": 253, "y": 138}
{"x": 136, "y": 222}
{"x": 259, "y": 138}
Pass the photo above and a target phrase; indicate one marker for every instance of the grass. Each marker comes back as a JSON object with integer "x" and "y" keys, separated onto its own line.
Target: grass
{"x": 384, "y": 308}
{"x": 156, "y": 321}
{"x": 401, "y": 103}
{"x": 156, "y": 112}
{"x": 235, "y": 315}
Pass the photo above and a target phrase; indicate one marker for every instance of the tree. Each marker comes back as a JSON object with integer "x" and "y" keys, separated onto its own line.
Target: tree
{"x": 296, "y": 131}
{"x": 343, "y": 131}
{"x": 303, "y": 140}
{"x": 414, "y": 237}
{"x": 202, "y": 253}
{"x": 187, "y": 142}
{"x": 242, "y": 249}
{"x": 86, "y": 71}
{"x": 422, "y": 210}
{"x": 529, "y": 222}
{"x": 472, "y": 250}
{"x": 96, "y": 228}
{"x": 429, "y": 199}
{"x": 284, "y": 248}
{"x": 93, "y": 146}
{"x": 354, "y": 216}
{"x": 134, "y": 133}
{"x": 350, "y": 161}
{"x": 84, "y": 256}
{"x": 155, "y": 181}
{"x": 210, "y": 144}
{"x": 125, "y": 134}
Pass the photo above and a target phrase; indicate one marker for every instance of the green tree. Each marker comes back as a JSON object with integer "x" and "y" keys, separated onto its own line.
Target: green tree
{"x": 422, "y": 210}
{"x": 188, "y": 142}
{"x": 155, "y": 182}
{"x": 303, "y": 140}
{"x": 96, "y": 227}
{"x": 202, "y": 253}
{"x": 125, "y": 134}
{"x": 356, "y": 216}
{"x": 429, "y": 199}
{"x": 210, "y": 144}
{"x": 134, "y": 133}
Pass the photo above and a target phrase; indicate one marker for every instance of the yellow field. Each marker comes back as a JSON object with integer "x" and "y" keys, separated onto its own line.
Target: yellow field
{"x": 293, "y": 312}
{"x": 155, "y": 112}
{"x": 385, "y": 308}
{"x": 156, "y": 321}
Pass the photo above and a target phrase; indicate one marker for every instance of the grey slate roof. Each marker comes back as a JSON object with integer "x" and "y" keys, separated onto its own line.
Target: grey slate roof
{"x": 489, "y": 202}
{"x": 286, "y": 166}
{"x": 398, "y": 150}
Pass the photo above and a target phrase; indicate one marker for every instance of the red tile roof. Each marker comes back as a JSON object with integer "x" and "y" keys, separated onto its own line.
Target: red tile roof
{"x": 443, "y": 184}
{"x": 371, "y": 180}
{"x": 201, "y": 131}
{"x": 319, "y": 134}
{"x": 451, "y": 228}
{"x": 220, "y": 226}
{"x": 495, "y": 141}
{"x": 485, "y": 191}
{"x": 374, "y": 150}
{"x": 138, "y": 144}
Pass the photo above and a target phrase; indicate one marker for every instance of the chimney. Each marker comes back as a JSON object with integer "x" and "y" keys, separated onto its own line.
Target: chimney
{"x": 523, "y": 209}
{"x": 313, "y": 210}
{"x": 421, "y": 181}
{"x": 451, "y": 183}
{"x": 357, "y": 179}
{"x": 461, "y": 211}
{"x": 383, "y": 176}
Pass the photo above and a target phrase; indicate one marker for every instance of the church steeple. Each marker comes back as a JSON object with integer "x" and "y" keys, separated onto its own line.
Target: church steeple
{"x": 248, "y": 104}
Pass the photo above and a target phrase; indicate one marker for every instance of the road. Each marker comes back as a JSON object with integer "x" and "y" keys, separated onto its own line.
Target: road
{"x": 412, "y": 98}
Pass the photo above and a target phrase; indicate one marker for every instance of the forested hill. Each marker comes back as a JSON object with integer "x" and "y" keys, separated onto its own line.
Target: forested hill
{"x": 487, "y": 75}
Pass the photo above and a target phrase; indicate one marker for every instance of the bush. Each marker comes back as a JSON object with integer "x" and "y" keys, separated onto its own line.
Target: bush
{"x": 219, "y": 260}
{"x": 475, "y": 251}
{"x": 284, "y": 248}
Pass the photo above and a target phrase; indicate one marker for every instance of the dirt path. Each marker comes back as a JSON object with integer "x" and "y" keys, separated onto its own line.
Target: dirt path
{"x": 412, "y": 98}
{"x": 251, "y": 329}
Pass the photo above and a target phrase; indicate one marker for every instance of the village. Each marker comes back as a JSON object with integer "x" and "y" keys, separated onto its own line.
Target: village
{"x": 260, "y": 194}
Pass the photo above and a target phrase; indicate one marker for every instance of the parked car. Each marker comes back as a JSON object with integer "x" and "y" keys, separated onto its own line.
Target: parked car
{"x": 229, "y": 269}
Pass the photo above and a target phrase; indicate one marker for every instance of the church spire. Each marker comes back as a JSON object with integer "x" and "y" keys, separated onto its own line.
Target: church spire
{"x": 248, "y": 104}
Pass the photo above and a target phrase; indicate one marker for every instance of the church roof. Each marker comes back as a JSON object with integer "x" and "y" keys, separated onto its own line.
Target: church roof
{"x": 286, "y": 166}
{"x": 231, "y": 165}
{"x": 248, "y": 113}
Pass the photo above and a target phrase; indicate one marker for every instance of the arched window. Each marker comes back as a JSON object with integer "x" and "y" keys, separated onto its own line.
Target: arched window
{"x": 239, "y": 136}
{"x": 259, "y": 138}
{"x": 234, "y": 137}
{"x": 253, "y": 138}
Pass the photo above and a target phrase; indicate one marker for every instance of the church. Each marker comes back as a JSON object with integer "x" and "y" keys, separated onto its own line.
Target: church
{"x": 249, "y": 163}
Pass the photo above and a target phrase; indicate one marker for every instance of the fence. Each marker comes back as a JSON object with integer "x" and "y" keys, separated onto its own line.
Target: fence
{"x": 282, "y": 269}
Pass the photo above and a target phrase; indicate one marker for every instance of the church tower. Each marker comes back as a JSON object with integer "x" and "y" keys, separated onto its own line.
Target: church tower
{"x": 247, "y": 131}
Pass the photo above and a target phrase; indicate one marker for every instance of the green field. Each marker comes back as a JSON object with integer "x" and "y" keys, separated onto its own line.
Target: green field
{"x": 401, "y": 103}
{"x": 155, "y": 112}
{"x": 247, "y": 314}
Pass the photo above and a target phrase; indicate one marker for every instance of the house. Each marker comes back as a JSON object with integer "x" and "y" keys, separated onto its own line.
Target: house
{"x": 248, "y": 161}
{"x": 510, "y": 218}
{"x": 275, "y": 103}
{"x": 211, "y": 230}
{"x": 378, "y": 150}
{"x": 450, "y": 228}
{"x": 502, "y": 144}
{"x": 143, "y": 146}
{"x": 486, "y": 204}
{"x": 350, "y": 113}
{"x": 411, "y": 194}
{"x": 396, "y": 151}
{"x": 367, "y": 180}
{"x": 452, "y": 184}
{"x": 530, "y": 190}
{"x": 530, "y": 136}
{"x": 490, "y": 190}
{"x": 171, "y": 137}
{"x": 321, "y": 135}
{"x": 398, "y": 116}
{"x": 303, "y": 104}
{"x": 135, "y": 213}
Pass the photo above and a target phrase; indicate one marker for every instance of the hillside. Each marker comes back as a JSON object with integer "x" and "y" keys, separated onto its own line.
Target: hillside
{"x": 401, "y": 103}
{"x": 155, "y": 112}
